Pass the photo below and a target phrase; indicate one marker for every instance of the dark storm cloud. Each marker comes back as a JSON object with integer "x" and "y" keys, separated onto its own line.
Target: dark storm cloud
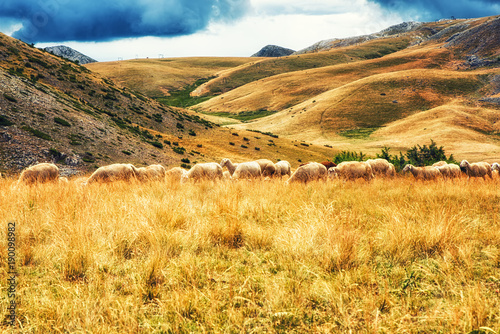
{"x": 438, "y": 9}
{"x": 101, "y": 20}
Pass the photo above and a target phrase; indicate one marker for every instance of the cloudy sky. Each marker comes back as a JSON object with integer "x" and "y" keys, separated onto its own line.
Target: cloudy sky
{"x": 125, "y": 29}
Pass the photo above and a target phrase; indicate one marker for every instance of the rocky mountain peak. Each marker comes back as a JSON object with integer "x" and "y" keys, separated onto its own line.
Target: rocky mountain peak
{"x": 273, "y": 51}
{"x": 71, "y": 54}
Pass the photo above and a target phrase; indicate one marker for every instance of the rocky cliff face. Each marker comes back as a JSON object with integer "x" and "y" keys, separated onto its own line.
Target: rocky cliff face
{"x": 69, "y": 53}
{"x": 273, "y": 51}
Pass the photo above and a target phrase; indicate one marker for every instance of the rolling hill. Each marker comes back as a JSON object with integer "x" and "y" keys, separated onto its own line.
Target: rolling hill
{"x": 405, "y": 85}
{"x": 56, "y": 110}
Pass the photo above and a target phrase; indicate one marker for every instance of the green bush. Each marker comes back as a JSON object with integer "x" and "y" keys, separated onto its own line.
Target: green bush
{"x": 179, "y": 150}
{"x": 37, "y": 133}
{"x": 9, "y": 98}
{"x": 4, "y": 121}
{"x": 61, "y": 121}
{"x": 156, "y": 144}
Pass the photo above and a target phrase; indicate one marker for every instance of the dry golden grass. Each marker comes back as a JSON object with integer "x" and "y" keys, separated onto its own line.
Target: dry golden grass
{"x": 386, "y": 256}
{"x": 156, "y": 77}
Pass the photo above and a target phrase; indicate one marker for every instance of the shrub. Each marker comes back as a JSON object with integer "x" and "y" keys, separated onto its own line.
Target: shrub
{"x": 179, "y": 150}
{"x": 186, "y": 160}
{"x": 156, "y": 144}
{"x": 348, "y": 156}
{"x": 257, "y": 148}
{"x": 9, "y": 98}
{"x": 192, "y": 133}
{"x": 37, "y": 133}
{"x": 126, "y": 152}
{"x": 244, "y": 146}
{"x": 4, "y": 121}
{"x": 167, "y": 142}
{"x": 231, "y": 143}
{"x": 61, "y": 121}
{"x": 180, "y": 126}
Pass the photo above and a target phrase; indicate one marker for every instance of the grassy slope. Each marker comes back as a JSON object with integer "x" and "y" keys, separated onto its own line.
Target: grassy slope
{"x": 386, "y": 256}
{"x": 56, "y": 109}
{"x": 156, "y": 77}
{"x": 342, "y": 96}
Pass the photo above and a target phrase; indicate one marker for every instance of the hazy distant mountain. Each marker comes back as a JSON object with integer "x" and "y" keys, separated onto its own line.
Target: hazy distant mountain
{"x": 273, "y": 51}
{"x": 71, "y": 54}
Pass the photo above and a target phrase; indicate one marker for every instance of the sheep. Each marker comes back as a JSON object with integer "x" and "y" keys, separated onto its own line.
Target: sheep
{"x": 449, "y": 171}
{"x": 382, "y": 167}
{"x": 351, "y": 170}
{"x": 267, "y": 167}
{"x": 422, "y": 173}
{"x": 175, "y": 174}
{"x": 229, "y": 165}
{"x": 495, "y": 170}
{"x": 308, "y": 172}
{"x": 111, "y": 173}
{"x": 40, "y": 173}
{"x": 439, "y": 164}
{"x": 150, "y": 173}
{"x": 477, "y": 169}
{"x": 203, "y": 171}
{"x": 283, "y": 167}
{"x": 328, "y": 164}
{"x": 247, "y": 170}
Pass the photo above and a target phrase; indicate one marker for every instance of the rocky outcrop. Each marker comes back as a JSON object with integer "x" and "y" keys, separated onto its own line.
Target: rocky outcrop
{"x": 71, "y": 54}
{"x": 273, "y": 51}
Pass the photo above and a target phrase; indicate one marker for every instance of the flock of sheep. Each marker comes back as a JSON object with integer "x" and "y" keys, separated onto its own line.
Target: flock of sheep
{"x": 263, "y": 168}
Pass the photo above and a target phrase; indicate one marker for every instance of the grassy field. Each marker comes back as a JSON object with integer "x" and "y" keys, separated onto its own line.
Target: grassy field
{"x": 385, "y": 256}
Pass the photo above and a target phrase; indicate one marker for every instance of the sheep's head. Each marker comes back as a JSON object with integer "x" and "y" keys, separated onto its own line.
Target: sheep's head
{"x": 407, "y": 168}
{"x": 333, "y": 173}
{"x": 463, "y": 166}
{"x": 224, "y": 162}
{"x": 269, "y": 170}
{"x": 495, "y": 166}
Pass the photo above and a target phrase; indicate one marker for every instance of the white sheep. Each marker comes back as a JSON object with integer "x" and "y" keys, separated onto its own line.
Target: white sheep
{"x": 422, "y": 173}
{"x": 40, "y": 173}
{"x": 247, "y": 170}
{"x": 175, "y": 174}
{"x": 267, "y": 167}
{"x": 283, "y": 167}
{"x": 449, "y": 171}
{"x": 352, "y": 170}
{"x": 309, "y": 172}
{"x": 439, "y": 164}
{"x": 112, "y": 173}
{"x": 382, "y": 167}
{"x": 203, "y": 171}
{"x": 231, "y": 167}
{"x": 476, "y": 169}
{"x": 150, "y": 173}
